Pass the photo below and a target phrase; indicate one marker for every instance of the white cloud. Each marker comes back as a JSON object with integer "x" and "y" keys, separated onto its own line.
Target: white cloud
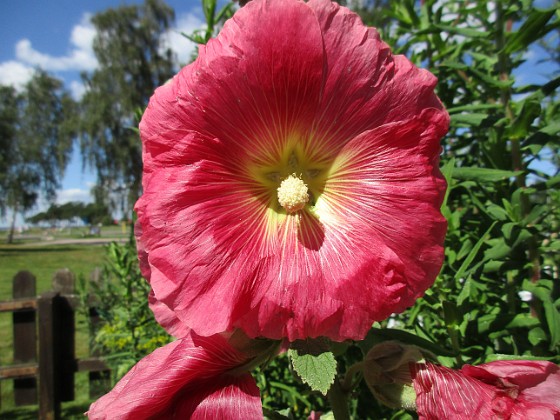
{"x": 72, "y": 194}
{"x": 77, "y": 90}
{"x": 80, "y": 56}
{"x": 13, "y": 73}
{"x": 179, "y": 44}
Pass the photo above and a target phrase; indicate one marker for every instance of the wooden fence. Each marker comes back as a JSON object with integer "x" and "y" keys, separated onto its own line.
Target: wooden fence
{"x": 44, "y": 331}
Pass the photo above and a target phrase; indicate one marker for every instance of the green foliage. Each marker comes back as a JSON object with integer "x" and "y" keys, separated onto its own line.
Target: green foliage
{"x": 214, "y": 20}
{"x": 91, "y": 213}
{"x": 502, "y": 209}
{"x": 129, "y": 330}
{"x": 36, "y": 139}
{"x": 133, "y": 62}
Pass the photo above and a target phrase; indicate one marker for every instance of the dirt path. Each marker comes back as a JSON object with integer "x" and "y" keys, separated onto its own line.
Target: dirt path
{"x": 75, "y": 241}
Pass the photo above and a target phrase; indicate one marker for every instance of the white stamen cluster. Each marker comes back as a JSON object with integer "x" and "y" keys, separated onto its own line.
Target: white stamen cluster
{"x": 292, "y": 194}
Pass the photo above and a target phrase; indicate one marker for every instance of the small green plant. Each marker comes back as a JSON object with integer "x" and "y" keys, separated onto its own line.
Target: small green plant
{"x": 129, "y": 330}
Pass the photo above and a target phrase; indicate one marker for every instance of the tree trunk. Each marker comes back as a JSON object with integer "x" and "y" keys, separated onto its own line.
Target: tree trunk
{"x": 13, "y": 225}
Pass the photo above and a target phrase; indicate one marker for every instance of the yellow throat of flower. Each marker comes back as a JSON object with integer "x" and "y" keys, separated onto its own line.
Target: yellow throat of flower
{"x": 292, "y": 194}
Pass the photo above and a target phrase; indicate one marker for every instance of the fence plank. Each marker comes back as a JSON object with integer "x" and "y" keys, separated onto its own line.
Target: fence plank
{"x": 99, "y": 379}
{"x": 19, "y": 371}
{"x": 25, "y": 337}
{"x": 49, "y": 403}
{"x": 65, "y": 331}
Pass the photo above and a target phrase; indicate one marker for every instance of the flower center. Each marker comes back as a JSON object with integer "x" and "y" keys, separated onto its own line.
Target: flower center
{"x": 292, "y": 194}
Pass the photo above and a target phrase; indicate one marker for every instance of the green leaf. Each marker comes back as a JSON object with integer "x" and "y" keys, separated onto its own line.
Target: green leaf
{"x": 464, "y": 267}
{"x": 498, "y": 250}
{"x": 492, "y": 322}
{"x": 497, "y": 212}
{"x": 483, "y": 174}
{"x": 472, "y": 108}
{"x": 545, "y": 135}
{"x": 468, "y": 32}
{"x": 474, "y": 119}
{"x": 536, "y": 336}
{"x": 532, "y": 29}
{"x": 492, "y": 81}
{"x": 469, "y": 291}
{"x": 542, "y": 290}
{"x": 495, "y": 357}
{"x": 523, "y": 321}
{"x": 530, "y": 110}
{"x": 447, "y": 171}
{"x": 318, "y": 371}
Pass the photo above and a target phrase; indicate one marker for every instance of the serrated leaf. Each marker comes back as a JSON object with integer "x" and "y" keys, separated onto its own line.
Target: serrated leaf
{"x": 317, "y": 371}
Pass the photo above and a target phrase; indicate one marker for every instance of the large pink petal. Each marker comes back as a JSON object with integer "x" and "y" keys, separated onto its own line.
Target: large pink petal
{"x": 183, "y": 373}
{"x": 515, "y": 390}
{"x": 365, "y": 85}
{"x": 167, "y": 318}
{"x": 250, "y": 84}
{"x": 217, "y": 253}
{"x": 365, "y": 256}
{"x": 225, "y": 398}
{"x": 537, "y": 381}
{"x": 446, "y": 394}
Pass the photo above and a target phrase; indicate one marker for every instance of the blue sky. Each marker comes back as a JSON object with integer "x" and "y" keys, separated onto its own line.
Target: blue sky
{"x": 57, "y": 35}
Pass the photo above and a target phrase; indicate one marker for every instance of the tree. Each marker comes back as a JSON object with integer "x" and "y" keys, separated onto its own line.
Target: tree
{"x": 132, "y": 63}
{"x": 9, "y": 104}
{"x": 91, "y": 213}
{"x": 36, "y": 136}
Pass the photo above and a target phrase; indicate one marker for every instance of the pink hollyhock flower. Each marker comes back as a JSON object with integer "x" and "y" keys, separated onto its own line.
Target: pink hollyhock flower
{"x": 291, "y": 181}
{"x": 516, "y": 390}
{"x": 194, "y": 377}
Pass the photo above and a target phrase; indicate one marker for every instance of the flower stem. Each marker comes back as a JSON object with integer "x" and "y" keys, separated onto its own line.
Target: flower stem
{"x": 339, "y": 401}
{"x": 348, "y": 383}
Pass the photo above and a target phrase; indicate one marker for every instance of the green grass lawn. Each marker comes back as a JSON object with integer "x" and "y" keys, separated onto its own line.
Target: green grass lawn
{"x": 43, "y": 261}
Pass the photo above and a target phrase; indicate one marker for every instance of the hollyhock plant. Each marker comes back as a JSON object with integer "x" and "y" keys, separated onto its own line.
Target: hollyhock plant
{"x": 515, "y": 389}
{"x": 291, "y": 181}
{"x": 194, "y": 377}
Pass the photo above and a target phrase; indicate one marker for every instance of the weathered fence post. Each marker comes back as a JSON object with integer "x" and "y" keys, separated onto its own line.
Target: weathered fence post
{"x": 57, "y": 362}
{"x": 25, "y": 337}
{"x": 63, "y": 283}
{"x": 99, "y": 381}
{"x": 49, "y": 402}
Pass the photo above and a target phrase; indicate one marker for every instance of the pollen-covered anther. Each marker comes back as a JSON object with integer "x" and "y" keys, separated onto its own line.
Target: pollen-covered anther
{"x": 292, "y": 194}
